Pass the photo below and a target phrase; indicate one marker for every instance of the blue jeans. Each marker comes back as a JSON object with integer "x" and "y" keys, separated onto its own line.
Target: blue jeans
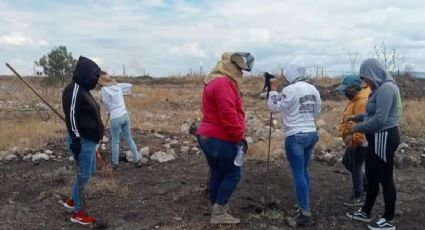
{"x": 117, "y": 125}
{"x": 225, "y": 176}
{"x": 298, "y": 151}
{"x": 87, "y": 160}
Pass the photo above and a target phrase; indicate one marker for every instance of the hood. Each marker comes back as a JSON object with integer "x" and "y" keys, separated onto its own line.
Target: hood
{"x": 295, "y": 70}
{"x": 86, "y": 73}
{"x": 112, "y": 90}
{"x": 373, "y": 70}
{"x": 225, "y": 67}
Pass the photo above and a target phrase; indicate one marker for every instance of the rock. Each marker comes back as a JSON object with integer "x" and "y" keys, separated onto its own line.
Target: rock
{"x": 405, "y": 161}
{"x": 167, "y": 146}
{"x": 320, "y": 123}
{"x": 159, "y": 135}
{"x": 185, "y": 149}
{"x": 129, "y": 156}
{"x": 174, "y": 142}
{"x": 263, "y": 95}
{"x": 105, "y": 139}
{"x": 40, "y": 156}
{"x": 162, "y": 157}
{"x": 403, "y": 146}
{"x": 103, "y": 146}
{"x": 274, "y": 123}
{"x": 10, "y": 157}
{"x": 27, "y": 157}
{"x": 194, "y": 149}
{"x": 171, "y": 152}
{"x": 71, "y": 158}
{"x": 184, "y": 128}
{"x": 144, "y": 160}
{"x": 249, "y": 140}
{"x": 145, "y": 151}
{"x": 186, "y": 142}
{"x": 423, "y": 156}
{"x": 48, "y": 152}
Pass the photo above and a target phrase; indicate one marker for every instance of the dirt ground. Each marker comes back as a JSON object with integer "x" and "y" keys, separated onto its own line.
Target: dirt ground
{"x": 172, "y": 195}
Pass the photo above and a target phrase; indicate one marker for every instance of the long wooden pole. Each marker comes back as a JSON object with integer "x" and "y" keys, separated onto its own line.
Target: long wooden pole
{"x": 35, "y": 91}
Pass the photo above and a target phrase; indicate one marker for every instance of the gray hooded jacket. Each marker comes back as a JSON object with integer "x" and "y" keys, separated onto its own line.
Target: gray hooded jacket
{"x": 383, "y": 109}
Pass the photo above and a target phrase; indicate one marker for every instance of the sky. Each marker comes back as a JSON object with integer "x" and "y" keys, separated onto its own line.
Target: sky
{"x": 176, "y": 37}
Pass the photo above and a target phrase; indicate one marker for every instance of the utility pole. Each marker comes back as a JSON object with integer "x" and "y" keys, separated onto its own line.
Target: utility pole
{"x": 352, "y": 57}
{"x": 123, "y": 70}
{"x": 200, "y": 68}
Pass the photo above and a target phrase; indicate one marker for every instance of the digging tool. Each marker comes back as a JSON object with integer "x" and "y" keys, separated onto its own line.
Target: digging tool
{"x": 268, "y": 153}
{"x": 267, "y": 78}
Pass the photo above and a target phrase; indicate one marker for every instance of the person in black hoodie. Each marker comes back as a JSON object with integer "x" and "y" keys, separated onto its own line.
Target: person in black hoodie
{"x": 85, "y": 128}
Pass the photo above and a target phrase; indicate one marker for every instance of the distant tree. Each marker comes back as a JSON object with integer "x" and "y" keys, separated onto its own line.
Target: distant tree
{"x": 391, "y": 60}
{"x": 58, "y": 65}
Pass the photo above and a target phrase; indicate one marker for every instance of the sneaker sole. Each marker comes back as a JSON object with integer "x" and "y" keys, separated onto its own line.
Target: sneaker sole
{"x": 67, "y": 206}
{"x": 353, "y": 204}
{"x": 351, "y": 216}
{"x": 380, "y": 228}
{"x": 79, "y": 222}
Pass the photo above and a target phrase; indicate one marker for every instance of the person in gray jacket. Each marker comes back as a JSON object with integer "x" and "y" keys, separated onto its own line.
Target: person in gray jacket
{"x": 380, "y": 124}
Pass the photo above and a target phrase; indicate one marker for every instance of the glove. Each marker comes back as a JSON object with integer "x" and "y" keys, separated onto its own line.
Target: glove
{"x": 75, "y": 145}
{"x": 244, "y": 145}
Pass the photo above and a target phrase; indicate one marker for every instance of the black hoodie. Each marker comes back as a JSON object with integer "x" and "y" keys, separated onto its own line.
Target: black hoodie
{"x": 82, "y": 113}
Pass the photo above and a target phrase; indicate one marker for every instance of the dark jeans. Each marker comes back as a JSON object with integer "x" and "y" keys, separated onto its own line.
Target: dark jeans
{"x": 353, "y": 160}
{"x": 379, "y": 166}
{"x": 224, "y": 175}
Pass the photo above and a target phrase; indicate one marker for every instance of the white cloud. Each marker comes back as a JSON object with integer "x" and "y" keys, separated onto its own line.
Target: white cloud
{"x": 188, "y": 49}
{"x": 143, "y": 34}
{"x": 16, "y": 39}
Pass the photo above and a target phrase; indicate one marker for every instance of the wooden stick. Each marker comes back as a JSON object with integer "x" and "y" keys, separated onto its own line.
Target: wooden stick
{"x": 35, "y": 91}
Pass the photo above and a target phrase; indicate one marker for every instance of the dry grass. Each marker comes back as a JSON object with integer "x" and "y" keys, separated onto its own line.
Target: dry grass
{"x": 164, "y": 105}
{"x": 413, "y": 119}
{"x": 28, "y": 133}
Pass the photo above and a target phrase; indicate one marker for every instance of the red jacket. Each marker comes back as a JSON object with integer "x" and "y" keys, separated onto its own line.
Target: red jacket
{"x": 222, "y": 108}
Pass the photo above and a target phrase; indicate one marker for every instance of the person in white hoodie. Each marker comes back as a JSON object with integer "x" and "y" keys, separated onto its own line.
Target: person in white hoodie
{"x": 113, "y": 99}
{"x": 299, "y": 102}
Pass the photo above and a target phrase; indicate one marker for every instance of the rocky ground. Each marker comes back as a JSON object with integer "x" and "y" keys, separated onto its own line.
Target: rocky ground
{"x": 169, "y": 191}
{"x": 172, "y": 194}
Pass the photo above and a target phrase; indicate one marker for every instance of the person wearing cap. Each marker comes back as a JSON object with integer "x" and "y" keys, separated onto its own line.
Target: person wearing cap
{"x": 380, "y": 125}
{"x": 85, "y": 130}
{"x": 221, "y": 130}
{"x": 299, "y": 103}
{"x": 113, "y": 99}
{"x": 355, "y": 143}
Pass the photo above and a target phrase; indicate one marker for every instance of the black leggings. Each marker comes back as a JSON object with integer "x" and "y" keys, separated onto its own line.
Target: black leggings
{"x": 379, "y": 164}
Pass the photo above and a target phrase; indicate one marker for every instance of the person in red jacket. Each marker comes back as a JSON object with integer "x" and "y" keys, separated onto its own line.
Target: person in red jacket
{"x": 221, "y": 130}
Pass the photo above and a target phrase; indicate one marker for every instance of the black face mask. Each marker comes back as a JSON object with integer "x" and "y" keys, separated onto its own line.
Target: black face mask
{"x": 351, "y": 92}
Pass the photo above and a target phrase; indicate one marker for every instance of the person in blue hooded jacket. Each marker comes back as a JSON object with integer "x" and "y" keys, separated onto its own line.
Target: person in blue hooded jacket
{"x": 380, "y": 124}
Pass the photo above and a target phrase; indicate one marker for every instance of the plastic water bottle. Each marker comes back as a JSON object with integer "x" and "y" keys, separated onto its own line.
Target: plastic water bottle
{"x": 239, "y": 156}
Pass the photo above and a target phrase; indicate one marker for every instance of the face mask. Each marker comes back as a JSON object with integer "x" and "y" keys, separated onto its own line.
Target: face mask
{"x": 244, "y": 61}
{"x": 351, "y": 91}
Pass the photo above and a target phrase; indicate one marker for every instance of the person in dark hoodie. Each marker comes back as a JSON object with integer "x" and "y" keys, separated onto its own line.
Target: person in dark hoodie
{"x": 380, "y": 124}
{"x": 85, "y": 128}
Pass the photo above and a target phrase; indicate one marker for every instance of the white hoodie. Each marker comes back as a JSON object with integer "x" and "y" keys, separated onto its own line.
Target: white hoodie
{"x": 299, "y": 102}
{"x": 113, "y": 99}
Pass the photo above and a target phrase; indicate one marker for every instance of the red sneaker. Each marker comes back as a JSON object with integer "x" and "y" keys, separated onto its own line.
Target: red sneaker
{"x": 82, "y": 218}
{"x": 69, "y": 204}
